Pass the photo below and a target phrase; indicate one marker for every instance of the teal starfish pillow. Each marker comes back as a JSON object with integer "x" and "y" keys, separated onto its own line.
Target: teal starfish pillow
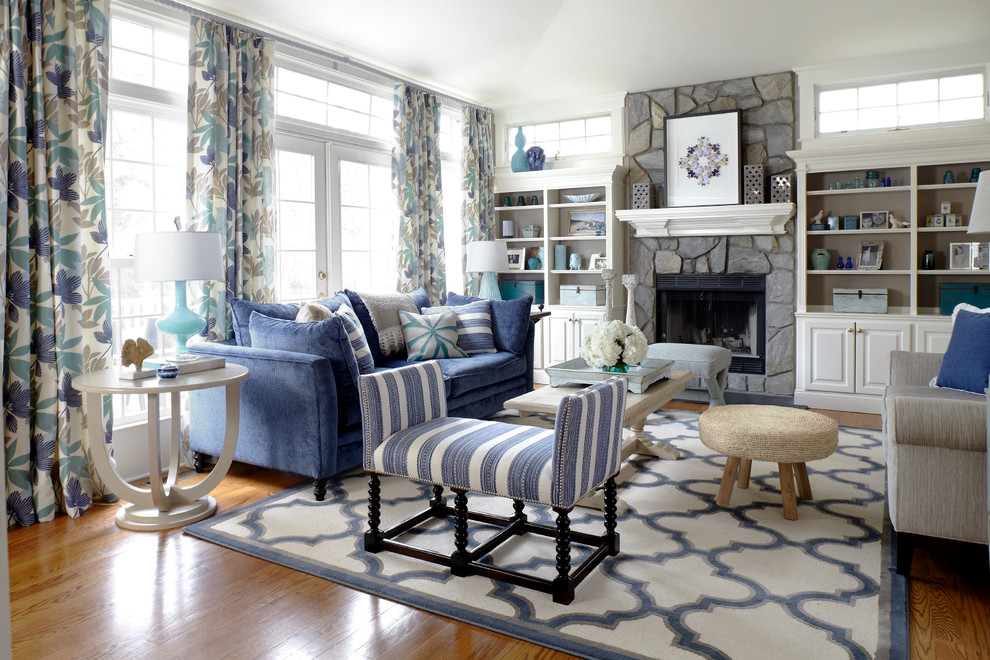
{"x": 430, "y": 337}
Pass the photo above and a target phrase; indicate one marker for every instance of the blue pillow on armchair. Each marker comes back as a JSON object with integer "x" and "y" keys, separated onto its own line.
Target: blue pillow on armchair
{"x": 510, "y": 320}
{"x": 966, "y": 363}
{"x": 324, "y": 338}
{"x": 242, "y": 316}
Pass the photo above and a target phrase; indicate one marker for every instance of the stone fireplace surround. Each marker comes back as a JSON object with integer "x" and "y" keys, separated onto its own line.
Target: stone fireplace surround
{"x": 767, "y": 103}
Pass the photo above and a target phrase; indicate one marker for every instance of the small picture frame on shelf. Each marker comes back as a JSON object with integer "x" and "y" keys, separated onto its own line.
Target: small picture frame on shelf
{"x": 517, "y": 258}
{"x": 870, "y": 255}
{"x": 586, "y": 223}
{"x": 981, "y": 259}
{"x": 873, "y": 219}
{"x": 850, "y": 222}
{"x": 832, "y": 222}
{"x": 598, "y": 263}
{"x": 961, "y": 256}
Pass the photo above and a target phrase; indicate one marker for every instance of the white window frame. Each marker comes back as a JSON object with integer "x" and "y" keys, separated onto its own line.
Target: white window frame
{"x": 938, "y": 76}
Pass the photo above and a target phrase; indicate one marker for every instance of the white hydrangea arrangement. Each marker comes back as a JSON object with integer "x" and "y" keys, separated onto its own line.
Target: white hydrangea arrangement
{"x": 614, "y": 346}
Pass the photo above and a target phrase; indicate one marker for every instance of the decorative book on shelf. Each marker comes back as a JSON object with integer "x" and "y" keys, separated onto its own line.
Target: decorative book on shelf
{"x": 151, "y": 367}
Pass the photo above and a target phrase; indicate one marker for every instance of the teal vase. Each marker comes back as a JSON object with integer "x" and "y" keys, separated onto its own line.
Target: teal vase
{"x": 619, "y": 367}
{"x": 519, "y": 161}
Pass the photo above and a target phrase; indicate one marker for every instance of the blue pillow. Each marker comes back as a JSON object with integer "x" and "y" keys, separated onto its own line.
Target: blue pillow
{"x": 359, "y": 343}
{"x": 474, "y": 326}
{"x": 966, "y": 363}
{"x": 510, "y": 321}
{"x": 242, "y": 316}
{"x": 364, "y": 316}
{"x": 324, "y": 338}
{"x": 420, "y": 298}
{"x": 432, "y": 337}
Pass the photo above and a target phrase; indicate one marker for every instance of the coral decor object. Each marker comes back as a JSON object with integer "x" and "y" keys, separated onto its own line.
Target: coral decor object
{"x": 135, "y": 352}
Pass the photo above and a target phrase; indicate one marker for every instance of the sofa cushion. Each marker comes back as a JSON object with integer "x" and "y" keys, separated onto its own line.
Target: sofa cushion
{"x": 474, "y": 326}
{"x": 510, "y": 320}
{"x": 357, "y": 338}
{"x": 242, "y": 309}
{"x": 364, "y": 316}
{"x": 430, "y": 337}
{"x": 932, "y": 417}
{"x": 966, "y": 364}
{"x": 309, "y": 312}
{"x": 420, "y": 298}
{"x": 324, "y": 338}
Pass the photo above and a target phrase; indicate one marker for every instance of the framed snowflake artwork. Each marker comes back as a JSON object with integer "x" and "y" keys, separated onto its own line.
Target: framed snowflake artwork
{"x": 703, "y": 155}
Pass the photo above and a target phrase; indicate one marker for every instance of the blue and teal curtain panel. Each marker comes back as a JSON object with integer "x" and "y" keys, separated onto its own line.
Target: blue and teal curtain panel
{"x": 477, "y": 185}
{"x": 416, "y": 182}
{"x": 229, "y": 179}
{"x": 56, "y": 287}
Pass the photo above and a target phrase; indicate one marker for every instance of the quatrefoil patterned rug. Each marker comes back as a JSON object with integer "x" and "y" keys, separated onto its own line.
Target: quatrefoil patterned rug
{"x": 692, "y": 579}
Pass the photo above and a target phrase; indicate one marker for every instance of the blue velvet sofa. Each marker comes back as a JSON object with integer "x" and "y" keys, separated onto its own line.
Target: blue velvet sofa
{"x": 299, "y": 412}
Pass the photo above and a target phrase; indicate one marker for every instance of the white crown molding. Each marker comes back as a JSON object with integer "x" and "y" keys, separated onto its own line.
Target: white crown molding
{"x": 918, "y": 152}
{"x": 735, "y": 219}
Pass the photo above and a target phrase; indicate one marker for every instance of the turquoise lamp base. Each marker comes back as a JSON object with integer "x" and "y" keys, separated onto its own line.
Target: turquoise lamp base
{"x": 182, "y": 322}
{"x": 489, "y": 287}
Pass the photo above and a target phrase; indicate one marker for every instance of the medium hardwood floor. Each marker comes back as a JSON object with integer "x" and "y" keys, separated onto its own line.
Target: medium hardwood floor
{"x": 86, "y": 589}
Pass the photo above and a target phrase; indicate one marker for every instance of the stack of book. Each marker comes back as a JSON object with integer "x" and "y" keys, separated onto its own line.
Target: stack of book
{"x": 150, "y": 367}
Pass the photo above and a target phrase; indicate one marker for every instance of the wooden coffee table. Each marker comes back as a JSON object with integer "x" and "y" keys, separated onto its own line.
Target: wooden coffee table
{"x": 638, "y": 407}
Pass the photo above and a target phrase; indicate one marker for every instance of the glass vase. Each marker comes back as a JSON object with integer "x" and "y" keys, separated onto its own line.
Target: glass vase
{"x": 619, "y": 367}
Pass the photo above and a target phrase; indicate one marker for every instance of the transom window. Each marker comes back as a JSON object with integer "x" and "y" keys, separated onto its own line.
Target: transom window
{"x": 941, "y": 100}
{"x": 319, "y": 101}
{"x": 148, "y": 55}
{"x": 574, "y": 137}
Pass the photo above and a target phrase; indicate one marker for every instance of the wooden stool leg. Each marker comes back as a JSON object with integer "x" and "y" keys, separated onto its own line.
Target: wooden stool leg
{"x": 787, "y": 490}
{"x": 743, "y": 478}
{"x": 804, "y": 485}
{"x": 728, "y": 477}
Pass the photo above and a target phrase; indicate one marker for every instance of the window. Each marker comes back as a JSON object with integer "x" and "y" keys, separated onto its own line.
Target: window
{"x": 902, "y": 104}
{"x": 326, "y": 103}
{"x": 145, "y": 169}
{"x": 574, "y": 137}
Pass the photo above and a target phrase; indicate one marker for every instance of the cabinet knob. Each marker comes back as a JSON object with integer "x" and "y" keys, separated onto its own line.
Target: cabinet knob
{"x": 859, "y": 331}
{"x": 849, "y": 329}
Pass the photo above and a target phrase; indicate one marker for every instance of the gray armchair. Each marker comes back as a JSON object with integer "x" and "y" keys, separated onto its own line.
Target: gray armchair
{"x": 934, "y": 444}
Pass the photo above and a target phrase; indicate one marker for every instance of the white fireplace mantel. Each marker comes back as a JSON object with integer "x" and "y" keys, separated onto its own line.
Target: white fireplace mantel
{"x": 748, "y": 219}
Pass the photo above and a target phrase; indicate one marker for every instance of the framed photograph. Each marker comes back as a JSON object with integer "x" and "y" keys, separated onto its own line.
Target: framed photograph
{"x": 870, "y": 255}
{"x": 598, "y": 263}
{"x": 703, "y": 159}
{"x": 586, "y": 223}
{"x": 961, "y": 256}
{"x": 832, "y": 222}
{"x": 873, "y": 219}
{"x": 981, "y": 261}
{"x": 517, "y": 258}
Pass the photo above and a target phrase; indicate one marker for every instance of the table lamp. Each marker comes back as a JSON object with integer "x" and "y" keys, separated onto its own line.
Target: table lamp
{"x": 487, "y": 257}
{"x": 178, "y": 256}
{"x": 979, "y": 219}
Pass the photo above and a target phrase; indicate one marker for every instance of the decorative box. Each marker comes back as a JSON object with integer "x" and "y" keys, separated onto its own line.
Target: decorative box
{"x": 945, "y": 207}
{"x": 935, "y": 221}
{"x": 816, "y": 226}
{"x": 953, "y": 220}
{"x": 560, "y": 257}
{"x": 850, "y": 222}
{"x": 581, "y": 294}
{"x": 950, "y": 295}
{"x": 520, "y": 289}
{"x": 860, "y": 300}
{"x": 641, "y": 195}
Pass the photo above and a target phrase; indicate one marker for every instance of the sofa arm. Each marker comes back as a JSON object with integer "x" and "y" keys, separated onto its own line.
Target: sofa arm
{"x": 910, "y": 368}
{"x": 287, "y": 394}
{"x": 397, "y": 399}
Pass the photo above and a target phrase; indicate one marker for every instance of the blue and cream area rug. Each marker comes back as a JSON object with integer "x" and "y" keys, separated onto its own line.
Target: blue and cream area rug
{"x": 692, "y": 579}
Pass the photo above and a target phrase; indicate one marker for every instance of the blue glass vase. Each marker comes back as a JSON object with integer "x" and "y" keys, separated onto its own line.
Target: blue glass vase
{"x": 619, "y": 367}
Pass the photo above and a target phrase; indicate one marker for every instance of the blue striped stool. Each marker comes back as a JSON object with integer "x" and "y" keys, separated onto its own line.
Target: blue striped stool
{"x": 407, "y": 434}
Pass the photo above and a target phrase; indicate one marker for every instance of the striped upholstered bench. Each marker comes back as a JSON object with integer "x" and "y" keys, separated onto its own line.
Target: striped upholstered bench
{"x": 407, "y": 434}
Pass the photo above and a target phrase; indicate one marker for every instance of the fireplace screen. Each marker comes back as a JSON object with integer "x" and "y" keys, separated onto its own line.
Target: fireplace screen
{"x": 718, "y": 310}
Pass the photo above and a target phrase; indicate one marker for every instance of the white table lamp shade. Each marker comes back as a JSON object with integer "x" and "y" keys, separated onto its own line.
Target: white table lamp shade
{"x": 178, "y": 256}
{"x": 979, "y": 219}
{"x": 487, "y": 257}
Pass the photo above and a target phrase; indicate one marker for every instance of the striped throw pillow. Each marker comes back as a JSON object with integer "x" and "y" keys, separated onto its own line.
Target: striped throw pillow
{"x": 430, "y": 337}
{"x": 474, "y": 326}
{"x": 355, "y": 334}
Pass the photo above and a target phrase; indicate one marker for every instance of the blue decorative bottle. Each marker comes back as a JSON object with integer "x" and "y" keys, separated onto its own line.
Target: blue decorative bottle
{"x": 849, "y": 263}
{"x": 840, "y": 265}
{"x": 519, "y": 161}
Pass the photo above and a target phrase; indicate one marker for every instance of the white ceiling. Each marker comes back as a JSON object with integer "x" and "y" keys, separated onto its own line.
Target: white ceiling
{"x": 509, "y": 53}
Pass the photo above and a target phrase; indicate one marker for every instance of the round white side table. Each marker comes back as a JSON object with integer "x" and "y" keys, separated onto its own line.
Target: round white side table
{"x": 165, "y": 504}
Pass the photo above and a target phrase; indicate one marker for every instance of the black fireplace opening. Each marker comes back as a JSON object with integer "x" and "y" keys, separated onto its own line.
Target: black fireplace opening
{"x": 718, "y": 310}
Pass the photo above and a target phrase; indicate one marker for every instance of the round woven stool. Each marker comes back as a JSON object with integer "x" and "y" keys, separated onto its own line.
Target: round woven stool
{"x": 786, "y": 436}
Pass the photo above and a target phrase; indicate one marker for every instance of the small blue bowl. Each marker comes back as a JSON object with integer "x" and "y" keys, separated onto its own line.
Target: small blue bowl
{"x": 168, "y": 370}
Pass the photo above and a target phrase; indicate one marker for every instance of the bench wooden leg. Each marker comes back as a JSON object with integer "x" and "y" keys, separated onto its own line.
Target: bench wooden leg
{"x": 742, "y": 481}
{"x": 728, "y": 477}
{"x": 787, "y": 490}
{"x": 803, "y": 484}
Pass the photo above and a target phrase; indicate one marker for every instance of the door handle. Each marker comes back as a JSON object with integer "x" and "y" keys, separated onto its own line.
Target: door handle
{"x": 321, "y": 275}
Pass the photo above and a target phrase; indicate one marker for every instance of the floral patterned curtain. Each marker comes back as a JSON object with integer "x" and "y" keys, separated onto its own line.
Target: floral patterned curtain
{"x": 416, "y": 181}
{"x": 478, "y": 185}
{"x": 229, "y": 181}
{"x": 56, "y": 290}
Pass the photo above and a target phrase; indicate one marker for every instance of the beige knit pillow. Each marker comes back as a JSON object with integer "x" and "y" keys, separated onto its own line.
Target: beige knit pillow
{"x": 309, "y": 312}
